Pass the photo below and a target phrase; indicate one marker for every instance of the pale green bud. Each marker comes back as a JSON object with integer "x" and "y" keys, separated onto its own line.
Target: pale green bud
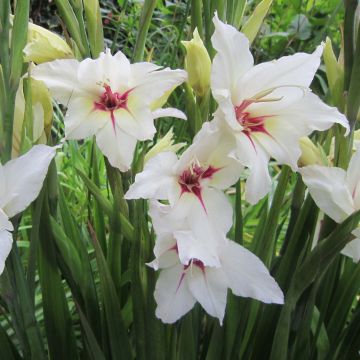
{"x": 164, "y": 144}
{"x": 310, "y": 154}
{"x": 197, "y": 65}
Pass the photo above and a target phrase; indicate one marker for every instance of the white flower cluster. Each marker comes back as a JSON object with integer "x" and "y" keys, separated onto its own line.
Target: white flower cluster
{"x": 263, "y": 112}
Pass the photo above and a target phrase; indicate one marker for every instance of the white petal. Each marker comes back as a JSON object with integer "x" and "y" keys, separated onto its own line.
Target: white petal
{"x": 137, "y": 120}
{"x": 168, "y": 112}
{"x": 281, "y": 142}
{"x": 247, "y": 275}
{"x": 251, "y": 155}
{"x": 190, "y": 247}
{"x": 82, "y": 120}
{"x": 295, "y": 70}
{"x": 157, "y": 179}
{"x": 353, "y": 177}
{"x": 114, "y": 71}
{"x": 5, "y": 223}
{"x": 154, "y": 84}
{"x": 233, "y": 58}
{"x": 5, "y": 247}
{"x": 311, "y": 113}
{"x": 211, "y": 147}
{"x": 209, "y": 287}
{"x": 60, "y": 76}
{"x": 328, "y": 188}
{"x": 24, "y": 178}
{"x": 172, "y": 295}
{"x": 117, "y": 146}
{"x": 165, "y": 252}
{"x": 352, "y": 249}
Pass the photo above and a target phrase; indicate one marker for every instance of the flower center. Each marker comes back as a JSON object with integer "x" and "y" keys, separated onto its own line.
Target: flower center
{"x": 195, "y": 262}
{"x": 250, "y": 123}
{"x": 191, "y": 178}
{"x": 111, "y": 101}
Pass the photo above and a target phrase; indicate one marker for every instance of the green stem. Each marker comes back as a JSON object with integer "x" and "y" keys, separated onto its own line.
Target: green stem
{"x": 145, "y": 20}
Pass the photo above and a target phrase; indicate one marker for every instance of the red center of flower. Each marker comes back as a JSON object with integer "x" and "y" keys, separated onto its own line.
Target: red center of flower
{"x": 111, "y": 101}
{"x": 190, "y": 180}
{"x": 250, "y": 123}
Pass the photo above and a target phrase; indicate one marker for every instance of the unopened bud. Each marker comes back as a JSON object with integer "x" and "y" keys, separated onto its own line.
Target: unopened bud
{"x": 310, "y": 154}
{"x": 197, "y": 64}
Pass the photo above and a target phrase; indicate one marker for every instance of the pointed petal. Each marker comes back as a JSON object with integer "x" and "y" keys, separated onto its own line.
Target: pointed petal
{"x": 60, "y": 76}
{"x": 352, "y": 249}
{"x": 172, "y": 295}
{"x": 253, "y": 156}
{"x": 5, "y": 247}
{"x": 157, "y": 179}
{"x": 311, "y": 113}
{"x": 117, "y": 146}
{"x": 106, "y": 69}
{"x": 247, "y": 276}
{"x": 209, "y": 287}
{"x": 353, "y": 177}
{"x": 137, "y": 120}
{"x": 82, "y": 120}
{"x": 295, "y": 70}
{"x": 233, "y": 59}
{"x": 328, "y": 188}
{"x": 154, "y": 84}
{"x": 168, "y": 112}
{"x": 190, "y": 247}
{"x": 24, "y": 178}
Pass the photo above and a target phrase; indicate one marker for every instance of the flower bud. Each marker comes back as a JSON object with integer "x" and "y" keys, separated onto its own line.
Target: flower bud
{"x": 42, "y": 114}
{"x": 197, "y": 64}
{"x": 310, "y": 154}
{"x": 164, "y": 144}
{"x": 44, "y": 45}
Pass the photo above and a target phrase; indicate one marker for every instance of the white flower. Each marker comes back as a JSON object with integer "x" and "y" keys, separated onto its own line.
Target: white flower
{"x": 21, "y": 180}
{"x": 193, "y": 185}
{"x": 110, "y": 98}
{"x": 180, "y": 285}
{"x": 265, "y": 108}
{"x": 337, "y": 193}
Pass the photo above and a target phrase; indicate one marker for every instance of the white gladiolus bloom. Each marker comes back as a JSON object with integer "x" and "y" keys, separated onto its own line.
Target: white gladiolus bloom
{"x": 110, "y": 98}
{"x": 265, "y": 109}
{"x": 180, "y": 285}
{"x": 193, "y": 186}
{"x": 337, "y": 193}
{"x": 21, "y": 180}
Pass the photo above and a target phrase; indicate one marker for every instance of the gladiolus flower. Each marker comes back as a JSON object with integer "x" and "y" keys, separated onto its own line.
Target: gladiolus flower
{"x": 111, "y": 99}
{"x": 265, "y": 109}
{"x": 21, "y": 180}
{"x": 182, "y": 284}
{"x": 337, "y": 193}
{"x": 193, "y": 185}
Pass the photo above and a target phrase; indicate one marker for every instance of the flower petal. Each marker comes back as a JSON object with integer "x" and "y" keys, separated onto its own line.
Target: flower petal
{"x": 82, "y": 120}
{"x": 247, "y": 276}
{"x": 116, "y": 145}
{"x": 209, "y": 287}
{"x": 60, "y": 76}
{"x": 233, "y": 59}
{"x": 24, "y": 177}
{"x": 353, "y": 177}
{"x": 252, "y": 155}
{"x": 168, "y": 112}
{"x": 328, "y": 188}
{"x": 295, "y": 70}
{"x": 172, "y": 295}
{"x": 352, "y": 249}
{"x": 5, "y": 247}
{"x": 157, "y": 180}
